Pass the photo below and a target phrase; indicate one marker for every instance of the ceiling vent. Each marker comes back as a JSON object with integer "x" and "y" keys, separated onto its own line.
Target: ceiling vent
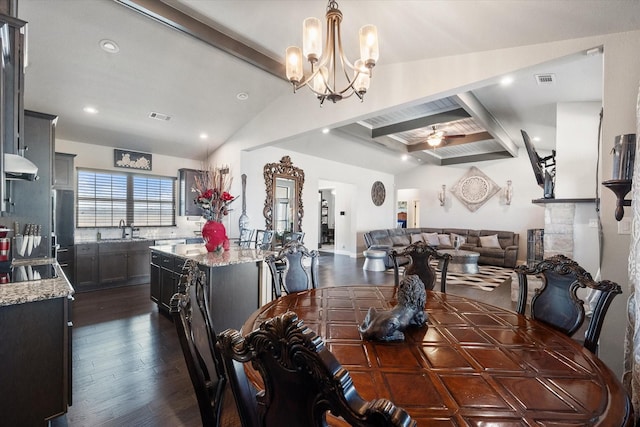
{"x": 159, "y": 116}
{"x": 545, "y": 79}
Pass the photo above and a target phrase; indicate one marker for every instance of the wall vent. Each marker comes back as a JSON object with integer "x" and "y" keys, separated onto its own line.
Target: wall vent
{"x": 545, "y": 79}
{"x": 159, "y": 116}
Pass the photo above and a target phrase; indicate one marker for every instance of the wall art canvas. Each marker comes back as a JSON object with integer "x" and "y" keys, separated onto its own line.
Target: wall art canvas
{"x": 474, "y": 189}
{"x": 131, "y": 159}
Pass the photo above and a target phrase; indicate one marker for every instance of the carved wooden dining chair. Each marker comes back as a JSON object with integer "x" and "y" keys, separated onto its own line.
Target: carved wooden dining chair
{"x": 289, "y": 269}
{"x": 420, "y": 255}
{"x": 557, "y": 304}
{"x": 198, "y": 339}
{"x": 302, "y": 380}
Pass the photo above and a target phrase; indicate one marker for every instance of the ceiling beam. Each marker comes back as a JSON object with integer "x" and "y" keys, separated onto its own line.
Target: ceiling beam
{"x": 474, "y": 137}
{"x": 486, "y": 120}
{"x": 477, "y": 158}
{"x": 420, "y": 122}
{"x": 187, "y": 24}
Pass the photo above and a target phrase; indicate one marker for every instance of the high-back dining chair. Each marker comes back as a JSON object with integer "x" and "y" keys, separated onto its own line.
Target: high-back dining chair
{"x": 263, "y": 239}
{"x": 246, "y": 238}
{"x": 289, "y": 269}
{"x": 302, "y": 379}
{"x": 557, "y": 304}
{"x": 190, "y": 312}
{"x": 420, "y": 254}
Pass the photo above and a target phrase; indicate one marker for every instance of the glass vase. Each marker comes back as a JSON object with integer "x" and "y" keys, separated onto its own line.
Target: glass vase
{"x": 215, "y": 236}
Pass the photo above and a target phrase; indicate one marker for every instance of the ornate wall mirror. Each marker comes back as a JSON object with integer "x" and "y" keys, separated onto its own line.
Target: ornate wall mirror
{"x": 283, "y": 209}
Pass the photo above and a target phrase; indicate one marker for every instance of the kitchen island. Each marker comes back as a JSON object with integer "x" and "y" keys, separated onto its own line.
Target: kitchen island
{"x": 35, "y": 332}
{"x": 235, "y": 277}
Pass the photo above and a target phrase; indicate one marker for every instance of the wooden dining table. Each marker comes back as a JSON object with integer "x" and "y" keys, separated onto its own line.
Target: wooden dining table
{"x": 474, "y": 364}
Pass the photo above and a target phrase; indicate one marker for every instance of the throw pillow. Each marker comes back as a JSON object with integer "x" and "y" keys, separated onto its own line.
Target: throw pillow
{"x": 417, "y": 237}
{"x": 386, "y": 241}
{"x": 400, "y": 240}
{"x": 490, "y": 241}
{"x": 444, "y": 240}
{"x": 431, "y": 239}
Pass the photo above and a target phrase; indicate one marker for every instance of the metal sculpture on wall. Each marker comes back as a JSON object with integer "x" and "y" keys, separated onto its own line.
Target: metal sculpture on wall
{"x": 474, "y": 189}
{"x": 286, "y": 171}
{"x": 388, "y": 325}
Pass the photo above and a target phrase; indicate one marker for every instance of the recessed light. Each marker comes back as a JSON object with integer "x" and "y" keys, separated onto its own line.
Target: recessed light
{"x": 109, "y": 46}
{"x": 405, "y": 157}
{"x": 204, "y": 136}
{"x": 325, "y": 130}
{"x": 90, "y": 110}
{"x": 506, "y": 81}
{"x": 536, "y": 139}
{"x": 242, "y": 96}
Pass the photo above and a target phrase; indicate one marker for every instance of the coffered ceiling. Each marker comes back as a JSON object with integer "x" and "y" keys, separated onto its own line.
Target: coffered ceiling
{"x": 168, "y": 71}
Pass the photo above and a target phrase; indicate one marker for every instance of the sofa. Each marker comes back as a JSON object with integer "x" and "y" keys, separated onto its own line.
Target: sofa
{"x": 499, "y": 248}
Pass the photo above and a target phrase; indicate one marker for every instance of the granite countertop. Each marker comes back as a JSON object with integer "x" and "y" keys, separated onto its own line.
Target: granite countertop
{"x": 36, "y": 290}
{"x": 198, "y": 252}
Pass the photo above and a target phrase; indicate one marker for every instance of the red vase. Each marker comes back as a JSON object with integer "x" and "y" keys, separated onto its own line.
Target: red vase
{"x": 215, "y": 236}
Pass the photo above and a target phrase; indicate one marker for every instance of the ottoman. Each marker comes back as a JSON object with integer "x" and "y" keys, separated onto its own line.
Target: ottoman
{"x": 374, "y": 260}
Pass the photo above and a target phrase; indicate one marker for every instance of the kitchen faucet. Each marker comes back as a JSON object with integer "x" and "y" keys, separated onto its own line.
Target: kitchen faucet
{"x": 123, "y": 225}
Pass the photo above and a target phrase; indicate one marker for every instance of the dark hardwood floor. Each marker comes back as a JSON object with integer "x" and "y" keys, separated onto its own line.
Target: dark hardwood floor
{"x": 128, "y": 368}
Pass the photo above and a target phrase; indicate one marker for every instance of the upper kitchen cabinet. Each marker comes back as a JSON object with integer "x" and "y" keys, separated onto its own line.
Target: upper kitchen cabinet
{"x": 12, "y": 82}
{"x": 64, "y": 171}
{"x": 186, "y": 181}
{"x": 11, "y": 93}
{"x": 31, "y": 200}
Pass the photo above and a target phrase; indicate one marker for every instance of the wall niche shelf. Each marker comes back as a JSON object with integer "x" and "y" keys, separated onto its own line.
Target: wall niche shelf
{"x": 621, "y": 188}
{"x": 546, "y": 201}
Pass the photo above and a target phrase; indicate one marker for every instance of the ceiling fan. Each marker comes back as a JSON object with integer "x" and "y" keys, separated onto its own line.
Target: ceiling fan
{"x": 436, "y": 137}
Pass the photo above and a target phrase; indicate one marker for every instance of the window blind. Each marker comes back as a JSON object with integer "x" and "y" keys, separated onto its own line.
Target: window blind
{"x": 105, "y": 198}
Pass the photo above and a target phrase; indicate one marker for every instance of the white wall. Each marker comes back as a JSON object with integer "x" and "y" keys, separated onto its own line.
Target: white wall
{"x": 353, "y": 196}
{"x": 494, "y": 214}
{"x": 101, "y": 157}
{"x": 577, "y": 133}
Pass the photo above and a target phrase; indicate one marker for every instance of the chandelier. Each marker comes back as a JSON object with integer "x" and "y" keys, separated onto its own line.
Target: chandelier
{"x": 325, "y": 77}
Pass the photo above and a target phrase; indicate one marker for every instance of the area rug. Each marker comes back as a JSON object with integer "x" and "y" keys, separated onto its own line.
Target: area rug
{"x": 487, "y": 279}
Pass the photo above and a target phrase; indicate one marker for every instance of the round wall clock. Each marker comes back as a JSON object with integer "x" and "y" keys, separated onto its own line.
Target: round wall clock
{"x": 378, "y": 193}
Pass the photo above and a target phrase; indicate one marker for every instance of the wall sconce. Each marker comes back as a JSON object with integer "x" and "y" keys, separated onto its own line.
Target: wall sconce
{"x": 441, "y": 195}
{"x": 508, "y": 193}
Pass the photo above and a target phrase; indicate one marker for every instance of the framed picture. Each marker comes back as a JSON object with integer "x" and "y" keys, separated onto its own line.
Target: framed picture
{"x": 131, "y": 159}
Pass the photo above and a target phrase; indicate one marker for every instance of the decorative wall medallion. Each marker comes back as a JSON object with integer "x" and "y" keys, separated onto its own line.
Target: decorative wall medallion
{"x": 474, "y": 189}
{"x": 378, "y": 193}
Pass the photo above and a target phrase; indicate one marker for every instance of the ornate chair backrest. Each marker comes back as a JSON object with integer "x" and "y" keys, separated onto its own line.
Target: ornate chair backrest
{"x": 197, "y": 340}
{"x": 556, "y": 303}
{"x": 288, "y": 269}
{"x": 302, "y": 379}
{"x": 263, "y": 239}
{"x": 246, "y": 238}
{"x": 420, "y": 255}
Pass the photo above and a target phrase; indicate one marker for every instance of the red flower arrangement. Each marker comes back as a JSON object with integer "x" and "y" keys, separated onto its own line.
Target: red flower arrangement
{"x": 213, "y": 196}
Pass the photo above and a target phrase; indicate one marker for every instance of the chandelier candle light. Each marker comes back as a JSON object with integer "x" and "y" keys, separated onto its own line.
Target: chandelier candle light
{"x": 324, "y": 77}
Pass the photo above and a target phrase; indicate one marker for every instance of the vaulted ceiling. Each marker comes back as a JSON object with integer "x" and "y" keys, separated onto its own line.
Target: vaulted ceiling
{"x": 168, "y": 71}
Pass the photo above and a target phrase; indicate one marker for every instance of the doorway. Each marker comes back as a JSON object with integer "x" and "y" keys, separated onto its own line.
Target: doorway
{"x": 326, "y": 205}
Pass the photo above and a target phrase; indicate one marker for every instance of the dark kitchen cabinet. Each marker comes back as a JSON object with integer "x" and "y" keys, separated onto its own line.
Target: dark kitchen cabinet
{"x": 64, "y": 171}
{"x": 31, "y": 200}
{"x": 186, "y": 181}
{"x": 138, "y": 263}
{"x": 112, "y": 263}
{"x": 86, "y": 266}
{"x": 154, "y": 280}
{"x": 165, "y": 276}
{"x": 37, "y": 362}
{"x": 66, "y": 259}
